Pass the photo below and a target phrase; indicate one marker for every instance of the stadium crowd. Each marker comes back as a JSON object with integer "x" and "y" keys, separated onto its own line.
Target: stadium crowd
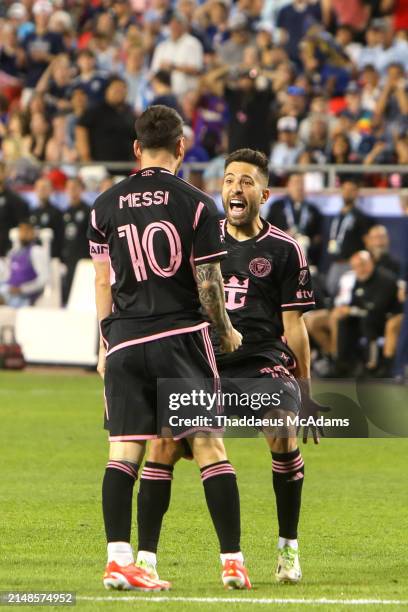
{"x": 305, "y": 81}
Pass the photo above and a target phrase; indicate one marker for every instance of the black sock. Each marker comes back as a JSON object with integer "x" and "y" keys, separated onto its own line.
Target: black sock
{"x": 152, "y": 503}
{"x": 221, "y": 493}
{"x": 288, "y": 475}
{"x": 117, "y": 495}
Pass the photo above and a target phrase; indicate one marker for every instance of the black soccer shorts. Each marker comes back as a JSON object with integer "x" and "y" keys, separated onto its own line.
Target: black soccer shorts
{"x": 261, "y": 374}
{"x": 131, "y": 377}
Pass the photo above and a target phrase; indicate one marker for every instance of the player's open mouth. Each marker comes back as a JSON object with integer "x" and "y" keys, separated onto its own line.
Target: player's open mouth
{"x": 237, "y": 207}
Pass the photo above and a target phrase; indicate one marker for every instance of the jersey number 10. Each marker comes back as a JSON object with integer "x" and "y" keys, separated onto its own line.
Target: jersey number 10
{"x": 144, "y": 248}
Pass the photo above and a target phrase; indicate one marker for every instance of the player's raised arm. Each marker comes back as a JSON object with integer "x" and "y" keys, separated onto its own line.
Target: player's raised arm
{"x": 211, "y": 292}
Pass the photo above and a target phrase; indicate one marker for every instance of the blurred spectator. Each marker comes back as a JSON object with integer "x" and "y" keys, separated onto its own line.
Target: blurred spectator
{"x": 75, "y": 245}
{"x": 231, "y": 51}
{"x": 341, "y": 152}
{"x": 354, "y": 13}
{"x": 36, "y": 141}
{"x": 287, "y": 148}
{"x": 55, "y": 83}
{"x": 79, "y": 103}
{"x": 392, "y": 104}
{"x": 249, "y": 101}
{"x": 346, "y": 234}
{"x": 181, "y": 55}
{"x": 299, "y": 217}
{"x": 47, "y": 215}
{"x": 11, "y": 54}
{"x": 373, "y": 52}
{"x": 373, "y": 297}
{"x": 90, "y": 80}
{"x": 13, "y": 209}
{"x": 370, "y": 88}
{"x": 13, "y": 143}
{"x": 106, "y": 132}
{"x": 294, "y": 20}
{"x": 377, "y": 243}
{"x": 40, "y": 46}
{"x": 136, "y": 76}
{"x": 28, "y": 270}
{"x": 162, "y": 92}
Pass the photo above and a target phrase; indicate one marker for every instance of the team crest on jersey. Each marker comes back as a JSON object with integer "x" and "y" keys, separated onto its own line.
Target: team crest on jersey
{"x": 260, "y": 266}
{"x": 303, "y": 277}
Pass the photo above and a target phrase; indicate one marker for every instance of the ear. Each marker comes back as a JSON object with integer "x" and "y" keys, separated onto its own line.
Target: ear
{"x": 137, "y": 149}
{"x": 265, "y": 195}
{"x": 180, "y": 148}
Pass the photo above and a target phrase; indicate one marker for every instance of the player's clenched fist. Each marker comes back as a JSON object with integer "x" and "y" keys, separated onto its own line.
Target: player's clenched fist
{"x": 231, "y": 341}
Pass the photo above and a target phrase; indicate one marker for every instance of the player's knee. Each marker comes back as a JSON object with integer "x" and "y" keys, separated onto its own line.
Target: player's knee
{"x": 165, "y": 451}
{"x": 283, "y": 445}
{"x": 207, "y": 450}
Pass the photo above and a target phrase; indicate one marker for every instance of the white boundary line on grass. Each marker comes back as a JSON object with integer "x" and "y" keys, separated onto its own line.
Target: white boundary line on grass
{"x": 275, "y": 600}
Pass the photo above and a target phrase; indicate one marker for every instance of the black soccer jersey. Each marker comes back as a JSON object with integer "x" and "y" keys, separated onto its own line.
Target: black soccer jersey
{"x": 153, "y": 228}
{"x": 263, "y": 277}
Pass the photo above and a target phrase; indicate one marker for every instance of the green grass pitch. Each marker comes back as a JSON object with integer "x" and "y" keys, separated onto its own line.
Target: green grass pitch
{"x": 353, "y": 531}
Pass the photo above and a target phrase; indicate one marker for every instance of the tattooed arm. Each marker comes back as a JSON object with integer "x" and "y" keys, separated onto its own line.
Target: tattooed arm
{"x": 211, "y": 292}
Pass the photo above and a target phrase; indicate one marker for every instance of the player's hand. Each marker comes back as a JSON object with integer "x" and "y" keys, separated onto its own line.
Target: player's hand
{"x": 231, "y": 341}
{"x": 100, "y": 368}
{"x": 311, "y": 408}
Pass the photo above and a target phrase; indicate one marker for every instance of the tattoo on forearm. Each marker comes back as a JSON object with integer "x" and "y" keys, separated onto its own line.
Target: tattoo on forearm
{"x": 211, "y": 292}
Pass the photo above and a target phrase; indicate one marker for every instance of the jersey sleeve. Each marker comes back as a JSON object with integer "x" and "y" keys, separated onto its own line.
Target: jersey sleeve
{"x": 98, "y": 245}
{"x": 207, "y": 242}
{"x": 296, "y": 287}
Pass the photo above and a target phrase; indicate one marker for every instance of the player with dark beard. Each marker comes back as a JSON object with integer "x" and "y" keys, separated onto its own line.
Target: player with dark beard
{"x": 268, "y": 288}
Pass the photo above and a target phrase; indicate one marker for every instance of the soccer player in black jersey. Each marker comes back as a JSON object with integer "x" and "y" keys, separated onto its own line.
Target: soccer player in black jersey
{"x": 156, "y": 249}
{"x": 267, "y": 289}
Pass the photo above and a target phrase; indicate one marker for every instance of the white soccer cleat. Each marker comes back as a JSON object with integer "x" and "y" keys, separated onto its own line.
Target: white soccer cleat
{"x": 149, "y": 568}
{"x": 288, "y": 568}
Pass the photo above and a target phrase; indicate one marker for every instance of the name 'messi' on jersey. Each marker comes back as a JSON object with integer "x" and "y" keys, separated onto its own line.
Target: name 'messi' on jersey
{"x": 145, "y": 198}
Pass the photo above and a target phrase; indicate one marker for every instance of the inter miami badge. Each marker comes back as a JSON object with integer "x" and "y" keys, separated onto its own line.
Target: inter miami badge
{"x": 260, "y": 266}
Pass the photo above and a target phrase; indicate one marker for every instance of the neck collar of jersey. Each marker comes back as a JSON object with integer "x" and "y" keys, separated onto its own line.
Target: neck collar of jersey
{"x": 150, "y": 170}
{"x": 264, "y": 230}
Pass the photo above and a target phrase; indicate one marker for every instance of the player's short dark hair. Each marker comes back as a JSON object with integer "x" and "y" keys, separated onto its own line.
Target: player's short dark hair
{"x": 159, "y": 127}
{"x": 250, "y": 156}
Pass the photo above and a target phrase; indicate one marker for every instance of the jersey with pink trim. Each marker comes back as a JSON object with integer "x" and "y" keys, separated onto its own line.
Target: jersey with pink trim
{"x": 153, "y": 229}
{"x": 263, "y": 277}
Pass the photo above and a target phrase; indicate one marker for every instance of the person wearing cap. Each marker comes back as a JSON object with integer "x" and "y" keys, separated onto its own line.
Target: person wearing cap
{"x": 40, "y": 46}
{"x": 286, "y": 151}
{"x": 181, "y": 55}
{"x": 18, "y": 16}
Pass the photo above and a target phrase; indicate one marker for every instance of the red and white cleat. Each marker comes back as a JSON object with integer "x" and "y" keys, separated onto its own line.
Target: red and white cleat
{"x": 235, "y": 575}
{"x": 131, "y": 578}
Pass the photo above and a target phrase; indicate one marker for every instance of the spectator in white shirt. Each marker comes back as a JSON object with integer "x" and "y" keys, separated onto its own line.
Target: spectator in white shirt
{"x": 287, "y": 149}
{"x": 181, "y": 54}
